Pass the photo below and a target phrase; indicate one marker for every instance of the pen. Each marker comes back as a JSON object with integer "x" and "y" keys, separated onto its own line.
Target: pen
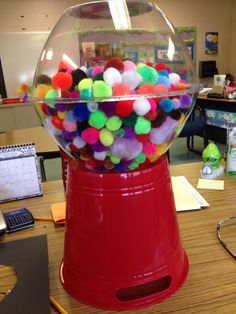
{"x": 57, "y": 306}
{"x": 43, "y": 218}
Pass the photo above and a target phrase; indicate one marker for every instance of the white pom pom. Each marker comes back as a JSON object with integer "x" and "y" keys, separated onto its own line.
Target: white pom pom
{"x": 112, "y": 77}
{"x": 174, "y": 78}
{"x": 78, "y": 142}
{"x": 141, "y": 106}
{"x": 100, "y": 155}
{"x": 131, "y": 79}
{"x": 92, "y": 106}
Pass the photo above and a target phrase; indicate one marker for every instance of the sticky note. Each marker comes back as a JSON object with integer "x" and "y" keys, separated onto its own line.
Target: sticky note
{"x": 210, "y": 184}
{"x": 59, "y": 212}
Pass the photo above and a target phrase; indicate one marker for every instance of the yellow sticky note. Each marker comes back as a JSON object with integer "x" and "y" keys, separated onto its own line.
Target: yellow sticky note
{"x": 59, "y": 212}
{"x": 210, "y": 184}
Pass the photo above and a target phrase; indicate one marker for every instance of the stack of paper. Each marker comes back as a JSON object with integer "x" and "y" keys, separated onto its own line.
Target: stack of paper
{"x": 186, "y": 196}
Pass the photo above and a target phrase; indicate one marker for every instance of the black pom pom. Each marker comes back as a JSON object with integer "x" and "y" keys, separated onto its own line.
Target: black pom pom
{"x": 175, "y": 114}
{"x": 77, "y": 76}
{"x": 161, "y": 117}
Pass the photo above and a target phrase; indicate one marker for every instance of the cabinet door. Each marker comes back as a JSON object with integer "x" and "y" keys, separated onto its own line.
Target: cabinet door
{"x": 26, "y": 117}
{"x": 7, "y": 119}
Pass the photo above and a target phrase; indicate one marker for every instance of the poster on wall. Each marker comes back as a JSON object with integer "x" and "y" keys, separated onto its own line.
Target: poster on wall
{"x": 211, "y": 43}
{"x": 189, "y": 35}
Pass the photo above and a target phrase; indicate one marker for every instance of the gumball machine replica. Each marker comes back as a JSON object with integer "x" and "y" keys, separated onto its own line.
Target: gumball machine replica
{"x": 114, "y": 86}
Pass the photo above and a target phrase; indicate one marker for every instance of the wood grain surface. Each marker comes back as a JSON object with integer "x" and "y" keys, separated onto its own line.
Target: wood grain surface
{"x": 211, "y": 283}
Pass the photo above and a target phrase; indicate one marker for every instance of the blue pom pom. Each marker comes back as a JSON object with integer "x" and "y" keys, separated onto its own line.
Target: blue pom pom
{"x": 89, "y": 72}
{"x": 86, "y": 93}
{"x": 163, "y": 80}
{"x": 70, "y": 116}
{"x": 81, "y": 112}
{"x": 166, "y": 105}
{"x": 163, "y": 73}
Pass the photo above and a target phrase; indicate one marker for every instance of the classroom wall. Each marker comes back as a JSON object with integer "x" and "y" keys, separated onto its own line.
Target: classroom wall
{"x": 27, "y": 16}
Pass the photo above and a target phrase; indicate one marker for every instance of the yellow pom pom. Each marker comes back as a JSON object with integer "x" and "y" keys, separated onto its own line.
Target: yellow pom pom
{"x": 41, "y": 90}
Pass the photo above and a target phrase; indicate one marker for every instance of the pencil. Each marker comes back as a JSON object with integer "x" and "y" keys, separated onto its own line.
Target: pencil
{"x": 57, "y": 306}
{"x": 43, "y": 218}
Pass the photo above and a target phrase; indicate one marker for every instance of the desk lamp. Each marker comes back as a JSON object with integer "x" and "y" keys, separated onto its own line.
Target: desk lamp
{"x": 114, "y": 86}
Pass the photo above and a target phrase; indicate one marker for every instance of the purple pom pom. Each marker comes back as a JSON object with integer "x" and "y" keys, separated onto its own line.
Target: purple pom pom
{"x": 165, "y": 132}
{"x": 126, "y": 148}
{"x": 185, "y": 101}
{"x": 98, "y": 147}
{"x": 108, "y": 108}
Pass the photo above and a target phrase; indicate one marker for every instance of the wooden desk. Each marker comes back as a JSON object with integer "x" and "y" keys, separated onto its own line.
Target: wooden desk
{"x": 217, "y": 133}
{"x": 44, "y": 143}
{"x": 211, "y": 283}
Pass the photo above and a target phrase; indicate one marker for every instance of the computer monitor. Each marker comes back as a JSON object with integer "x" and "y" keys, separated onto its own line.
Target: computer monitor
{"x": 207, "y": 68}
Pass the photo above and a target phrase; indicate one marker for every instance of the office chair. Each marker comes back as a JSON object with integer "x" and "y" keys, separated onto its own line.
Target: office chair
{"x": 196, "y": 125}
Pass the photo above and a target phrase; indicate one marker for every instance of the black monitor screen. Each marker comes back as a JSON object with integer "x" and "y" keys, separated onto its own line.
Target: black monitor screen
{"x": 207, "y": 68}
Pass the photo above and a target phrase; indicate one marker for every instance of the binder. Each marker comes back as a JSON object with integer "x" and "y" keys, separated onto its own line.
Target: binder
{"x": 19, "y": 172}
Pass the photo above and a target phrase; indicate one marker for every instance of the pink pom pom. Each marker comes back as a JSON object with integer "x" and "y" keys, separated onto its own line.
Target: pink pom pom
{"x": 149, "y": 148}
{"x": 90, "y": 135}
{"x": 129, "y": 65}
{"x": 70, "y": 126}
{"x": 152, "y": 103}
{"x": 96, "y": 70}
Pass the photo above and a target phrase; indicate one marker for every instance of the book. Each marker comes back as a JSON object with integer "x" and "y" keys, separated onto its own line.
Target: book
{"x": 186, "y": 196}
{"x": 19, "y": 172}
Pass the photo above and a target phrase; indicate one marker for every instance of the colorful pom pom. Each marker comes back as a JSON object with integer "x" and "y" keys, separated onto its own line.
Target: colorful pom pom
{"x": 62, "y": 80}
{"x": 97, "y": 119}
{"x": 90, "y": 135}
{"x": 101, "y": 90}
{"x": 141, "y": 106}
{"x": 116, "y": 63}
{"x": 124, "y": 108}
{"x": 148, "y": 74}
{"x": 106, "y": 137}
{"x": 142, "y": 126}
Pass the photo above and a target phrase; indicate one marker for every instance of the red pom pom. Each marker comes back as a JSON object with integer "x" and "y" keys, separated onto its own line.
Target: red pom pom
{"x": 62, "y": 80}
{"x": 161, "y": 66}
{"x": 57, "y": 122}
{"x": 124, "y": 108}
{"x": 63, "y": 65}
{"x": 44, "y": 108}
{"x": 142, "y": 137}
{"x": 116, "y": 63}
{"x": 151, "y": 115}
{"x": 73, "y": 148}
{"x": 149, "y": 64}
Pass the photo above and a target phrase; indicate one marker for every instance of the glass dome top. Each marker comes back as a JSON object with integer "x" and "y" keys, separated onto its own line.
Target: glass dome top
{"x": 89, "y": 42}
{"x": 114, "y": 84}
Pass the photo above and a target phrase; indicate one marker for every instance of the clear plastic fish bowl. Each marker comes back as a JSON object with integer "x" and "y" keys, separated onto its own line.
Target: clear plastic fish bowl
{"x": 114, "y": 84}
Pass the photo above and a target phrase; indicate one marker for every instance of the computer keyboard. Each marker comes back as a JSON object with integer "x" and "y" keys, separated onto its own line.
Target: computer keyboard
{"x": 214, "y": 95}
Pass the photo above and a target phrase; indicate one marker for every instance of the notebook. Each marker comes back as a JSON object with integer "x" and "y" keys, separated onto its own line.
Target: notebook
{"x": 186, "y": 196}
{"x": 19, "y": 172}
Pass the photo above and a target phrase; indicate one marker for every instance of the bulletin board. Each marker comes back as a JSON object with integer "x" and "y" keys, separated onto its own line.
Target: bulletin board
{"x": 19, "y": 53}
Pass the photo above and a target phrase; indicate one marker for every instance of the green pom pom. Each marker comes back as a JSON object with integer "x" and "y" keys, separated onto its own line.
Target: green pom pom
{"x": 149, "y": 74}
{"x": 115, "y": 159}
{"x": 130, "y": 120}
{"x": 51, "y": 94}
{"x": 97, "y": 119}
{"x": 142, "y": 126}
{"x": 85, "y": 83}
{"x": 98, "y": 77}
{"x": 133, "y": 165}
{"x": 106, "y": 137}
{"x": 113, "y": 123}
{"x": 86, "y": 93}
{"x": 101, "y": 89}
{"x": 140, "y": 158}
